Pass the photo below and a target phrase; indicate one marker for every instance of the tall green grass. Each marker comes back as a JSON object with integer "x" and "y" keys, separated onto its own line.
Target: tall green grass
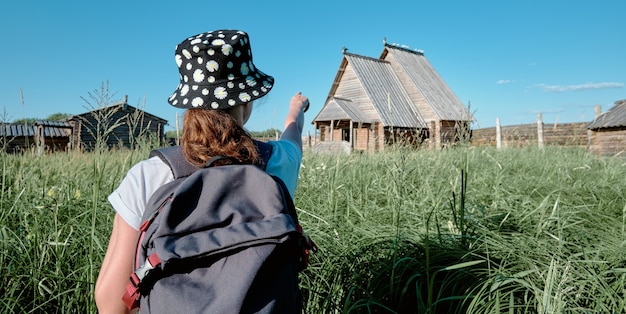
{"x": 463, "y": 230}
{"x": 54, "y": 227}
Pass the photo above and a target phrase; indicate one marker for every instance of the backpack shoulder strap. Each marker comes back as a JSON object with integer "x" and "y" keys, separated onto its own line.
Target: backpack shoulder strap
{"x": 173, "y": 157}
{"x": 265, "y": 150}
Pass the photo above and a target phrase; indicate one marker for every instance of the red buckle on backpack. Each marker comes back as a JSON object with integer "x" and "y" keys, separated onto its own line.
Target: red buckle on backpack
{"x": 132, "y": 295}
{"x": 306, "y": 244}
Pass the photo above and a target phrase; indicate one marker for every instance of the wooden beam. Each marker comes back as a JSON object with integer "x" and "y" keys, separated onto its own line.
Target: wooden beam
{"x": 498, "y": 134}
{"x": 351, "y": 134}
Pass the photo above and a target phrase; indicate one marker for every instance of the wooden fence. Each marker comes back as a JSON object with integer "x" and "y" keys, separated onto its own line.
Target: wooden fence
{"x": 533, "y": 134}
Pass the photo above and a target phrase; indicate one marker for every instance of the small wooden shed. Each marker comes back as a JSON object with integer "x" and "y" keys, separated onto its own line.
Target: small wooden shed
{"x": 395, "y": 98}
{"x": 118, "y": 125}
{"x": 608, "y": 131}
{"x": 42, "y": 135}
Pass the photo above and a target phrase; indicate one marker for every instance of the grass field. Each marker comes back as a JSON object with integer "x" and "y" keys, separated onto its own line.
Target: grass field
{"x": 464, "y": 230}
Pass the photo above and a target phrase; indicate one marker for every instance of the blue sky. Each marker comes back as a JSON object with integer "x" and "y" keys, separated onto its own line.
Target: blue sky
{"x": 508, "y": 59}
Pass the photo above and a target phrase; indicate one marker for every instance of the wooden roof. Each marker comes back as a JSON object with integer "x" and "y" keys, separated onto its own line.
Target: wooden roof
{"x": 613, "y": 118}
{"x": 124, "y": 106}
{"x": 342, "y": 109}
{"x": 437, "y": 94}
{"x": 401, "y": 89}
{"x": 385, "y": 100}
{"x": 385, "y": 91}
{"x": 50, "y": 129}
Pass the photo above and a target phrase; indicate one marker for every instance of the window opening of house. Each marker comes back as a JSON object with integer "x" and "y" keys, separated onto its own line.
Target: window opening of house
{"x": 345, "y": 135}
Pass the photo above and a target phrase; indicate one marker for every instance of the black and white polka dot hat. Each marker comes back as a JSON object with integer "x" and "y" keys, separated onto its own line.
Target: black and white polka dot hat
{"x": 216, "y": 72}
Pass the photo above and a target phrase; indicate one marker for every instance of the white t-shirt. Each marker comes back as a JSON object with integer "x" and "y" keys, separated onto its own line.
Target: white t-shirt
{"x": 130, "y": 198}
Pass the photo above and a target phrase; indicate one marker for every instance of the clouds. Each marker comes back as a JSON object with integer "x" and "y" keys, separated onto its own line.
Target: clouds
{"x": 500, "y": 82}
{"x": 569, "y": 88}
{"x": 579, "y": 87}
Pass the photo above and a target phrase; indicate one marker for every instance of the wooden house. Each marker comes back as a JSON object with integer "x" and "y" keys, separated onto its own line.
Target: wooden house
{"x": 395, "y": 98}
{"x": 608, "y": 131}
{"x": 118, "y": 125}
{"x": 49, "y": 136}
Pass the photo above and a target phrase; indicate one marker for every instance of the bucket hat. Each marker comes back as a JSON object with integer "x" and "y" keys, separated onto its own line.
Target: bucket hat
{"x": 216, "y": 71}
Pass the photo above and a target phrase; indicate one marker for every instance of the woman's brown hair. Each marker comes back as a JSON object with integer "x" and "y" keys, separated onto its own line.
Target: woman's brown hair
{"x": 209, "y": 133}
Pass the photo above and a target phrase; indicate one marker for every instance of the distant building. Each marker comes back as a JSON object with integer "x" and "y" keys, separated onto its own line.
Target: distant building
{"x": 396, "y": 98}
{"x": 608, "y": 131}
{"x": 42, "y": 136}
{"x": 118, "y": 125}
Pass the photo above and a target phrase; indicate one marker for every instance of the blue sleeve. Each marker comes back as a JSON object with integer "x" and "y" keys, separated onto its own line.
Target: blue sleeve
{"x": 285, "y": 163}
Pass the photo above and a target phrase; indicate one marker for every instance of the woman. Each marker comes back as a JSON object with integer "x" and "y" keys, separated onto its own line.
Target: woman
{"x": 218, "y": 85}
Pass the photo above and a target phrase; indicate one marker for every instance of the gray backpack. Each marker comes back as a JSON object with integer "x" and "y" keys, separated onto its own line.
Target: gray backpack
{"x": 219, "y": 239}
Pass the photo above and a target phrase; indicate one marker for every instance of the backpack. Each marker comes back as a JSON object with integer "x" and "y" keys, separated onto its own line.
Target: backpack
{"x": 218, "y": 239}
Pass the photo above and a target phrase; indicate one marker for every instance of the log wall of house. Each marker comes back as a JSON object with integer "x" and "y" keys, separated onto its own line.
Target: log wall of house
{"x": 323, "y": 133}
{"x": 449, "y": 131}
{"x": 379, "y": 137}
{"x": 20, "y": 144}
{"x": 75, "y": 137}
{"x": 53, "y": 144}
{"x": 372, "y": 141}
{"x": 362, "y": 138}
{"x": 17, "y": 144}
{"x": 608, "y": 142}
{"x": 38, "y": 137}
{"x": 369, "y": 137}
{"x": 336, "y": 134}
{"x": 85, "y": 128}
{"x": 434, "y": 131}
{"x": 375, "y": 137}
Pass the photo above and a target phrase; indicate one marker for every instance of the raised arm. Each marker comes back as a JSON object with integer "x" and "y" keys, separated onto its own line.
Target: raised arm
{"x": 294, "y": 122}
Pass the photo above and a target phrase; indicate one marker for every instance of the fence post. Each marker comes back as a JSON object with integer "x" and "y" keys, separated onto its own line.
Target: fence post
{"x": 39, "y": 138}
{"x": 539, "y": 131}
{"x": 498, "y": 134}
